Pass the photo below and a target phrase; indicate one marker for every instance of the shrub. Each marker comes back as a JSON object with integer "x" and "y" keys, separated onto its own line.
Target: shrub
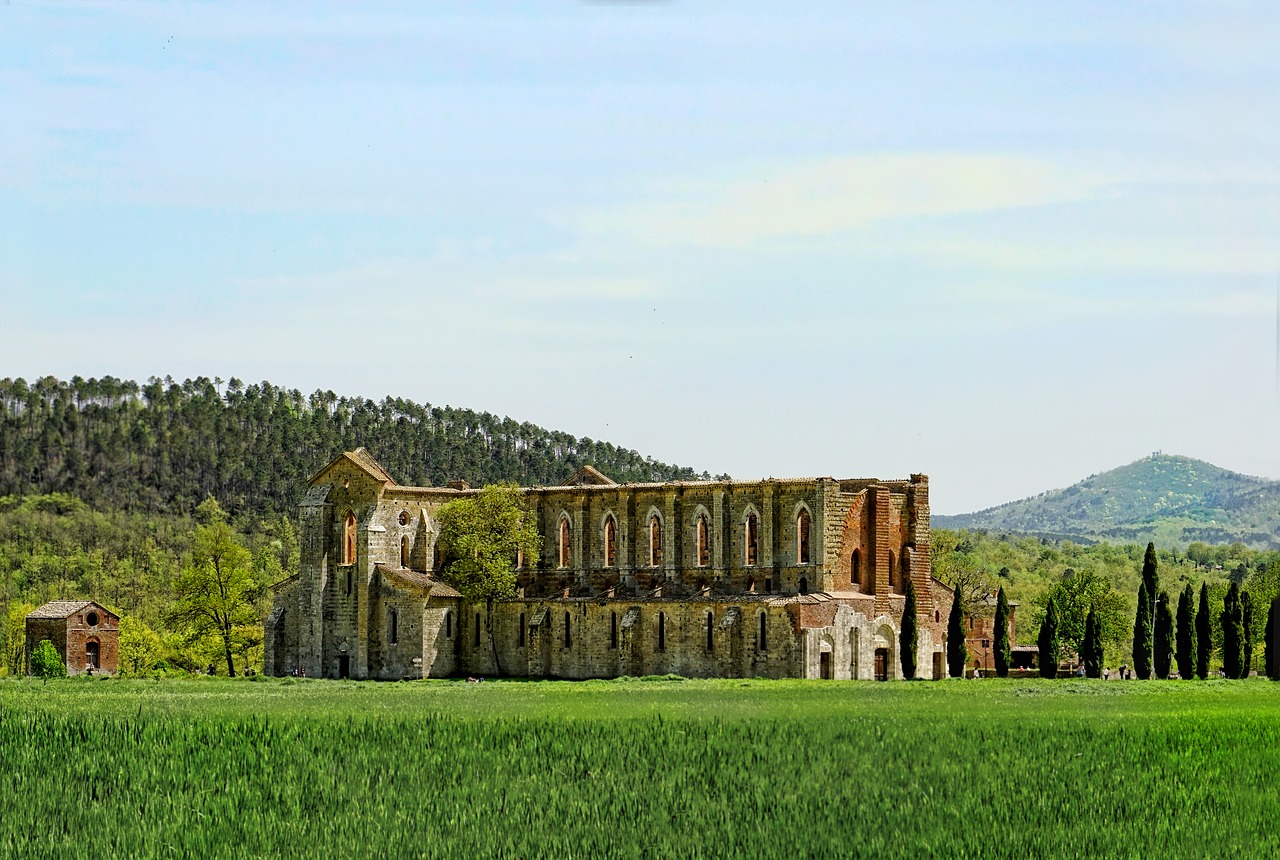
{"x": 46, "y": 662}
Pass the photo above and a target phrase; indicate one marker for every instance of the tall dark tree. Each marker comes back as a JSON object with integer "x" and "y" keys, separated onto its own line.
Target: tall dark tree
{"x": 1246, "y": 634}
{"x": 1163, "y": 657}
{"x": 1142, "y": 639}
{"x": 1002, "y": 655}
{"x": 1231, "y": 618}
{"x": 1204, "y": 633}
{"x": 1272, "y": 643}
{"x": 1048, "y": 641}
{"x": 908, "y": 636}
{"x": 1091, "y": 649}
{"x": 957, "y": 652}
{"x": 1185, "y": 646}
{"x": 1151, "y": 579}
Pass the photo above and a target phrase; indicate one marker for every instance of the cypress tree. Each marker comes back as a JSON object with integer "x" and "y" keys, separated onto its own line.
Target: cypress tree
{"x": 1186, "y": 636}
{"x": 957, "y": 653}
{"x": 1272, "y": 641}
{"x": 1150, "y": 574}
{"x": 1002, "y": 635}
{"x": 1246, "y": 634}
{"x": 1164, "y": 637}
{"x": 1048, "y": 641}
{"x": 1142, "y": 636}
{"x": 1092, "y": 647}
{"x": 908, "y": 639}
{"x": 1204, "y": 633}
{"x": 1231, "y": 617}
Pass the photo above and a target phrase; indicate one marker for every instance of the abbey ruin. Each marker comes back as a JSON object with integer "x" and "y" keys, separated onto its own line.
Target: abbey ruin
{"x": 797, "y": 578}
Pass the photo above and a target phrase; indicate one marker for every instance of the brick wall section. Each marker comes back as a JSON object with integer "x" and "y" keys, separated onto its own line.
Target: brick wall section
{"x": 71, "y": 636}
{"x": 316, "y": 620}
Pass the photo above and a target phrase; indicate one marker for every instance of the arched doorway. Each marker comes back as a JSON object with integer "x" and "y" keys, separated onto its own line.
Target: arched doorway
{"x": 882, "y": 664}
{"x": 91, "y": 654}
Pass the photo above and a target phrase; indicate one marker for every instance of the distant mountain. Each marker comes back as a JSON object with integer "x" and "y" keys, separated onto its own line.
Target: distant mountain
{"x": 1167, "y": 499}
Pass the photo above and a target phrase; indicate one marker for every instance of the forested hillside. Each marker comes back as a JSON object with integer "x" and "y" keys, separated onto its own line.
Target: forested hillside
{"x": 1171, "y": 500}
{"x": 165, "y": 446}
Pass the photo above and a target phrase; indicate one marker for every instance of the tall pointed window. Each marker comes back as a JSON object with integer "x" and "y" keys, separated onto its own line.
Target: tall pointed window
{"x": 662, "y": 631}
{"x": 349, "y": 539}
{"x": 610, "y": 542}
{"x": 393, "y": 627}
{"x": 655, "y": 541}
{"x": 762, "y": 639}
{"x": 802, "y": 537}
{"x": 404, "y": 551}
{"x": 855, "y": 568}
{"x": 703, "y": 541}
{"x": 568, "y": 635}
{"x": 565, "y": 553}
{"x": 711, "y": 632}
{"x": 750, "y": 539}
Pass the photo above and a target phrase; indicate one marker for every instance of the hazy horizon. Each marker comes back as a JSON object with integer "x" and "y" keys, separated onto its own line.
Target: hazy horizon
{"x": 1006, "y": 246}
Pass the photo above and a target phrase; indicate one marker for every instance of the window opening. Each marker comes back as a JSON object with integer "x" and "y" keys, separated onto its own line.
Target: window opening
{"x": 610, "y": 542}
{"x": 520, "y": 635}
{"x": 348, "y": 583}
{"x": 568, "y": 641}
{"x": 751, "y": 531}
{"x": 655, "y": 541}
{"x": 662, "y": 631}
{"x": 804, "y": 585}
{"x": 448, "y": 625}
{"x": 855, "y": 568}
{"x": 704, "y": 545}
{"x": 404, "y": 551}
{"x": 802, "y": 537}
{"x": 476, "y": 639}
{"x": 613, "y": 630}
{"x": 710, "y": 632}
{"x": 768, "y": 585}
{"x": 349, "y": 539}
{"x": 564, "y": 542}
{"x": 393, "y": 628}
{"x": 762, "y": 640}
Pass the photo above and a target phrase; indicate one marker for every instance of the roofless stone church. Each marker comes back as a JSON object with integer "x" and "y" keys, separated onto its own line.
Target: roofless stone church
{"x": 796, "y": 578}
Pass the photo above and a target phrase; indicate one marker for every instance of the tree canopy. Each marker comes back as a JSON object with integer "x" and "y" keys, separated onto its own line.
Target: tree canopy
{"x": 482, "y": 536}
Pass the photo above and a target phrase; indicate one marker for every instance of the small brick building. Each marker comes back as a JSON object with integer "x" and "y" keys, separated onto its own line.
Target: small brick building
{"x": 85, "y": 634}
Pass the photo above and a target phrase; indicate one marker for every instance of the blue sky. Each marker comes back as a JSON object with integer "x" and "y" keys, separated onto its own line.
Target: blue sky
{"x": 1008, "y": 245}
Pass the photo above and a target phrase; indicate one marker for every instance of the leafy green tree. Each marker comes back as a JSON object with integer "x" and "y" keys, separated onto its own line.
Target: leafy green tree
{"x": 1091, "y": 649}
{"x": 217, "y": 591}
{"x": 15, "y": 636}
{"x": 46, "y": 662}
{"x": 1142, "y": 636}
{"x": 957, "y": 651}
{"x": 1163, "y": 657}
{"x": 1186, "y": 635}
{"x": 908, "y": 635}
{"x": 1050, "y": 649}
{"x": 482, "y": 535}
{"x": 1077, "y": 593}
{"x": 1204, "y": 634}
{"x": 1002, "y": 655}
{"x": 1232, "y": 639}
{"x": 140, "y": 647}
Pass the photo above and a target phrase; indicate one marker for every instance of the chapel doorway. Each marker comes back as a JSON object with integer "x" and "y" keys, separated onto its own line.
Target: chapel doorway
{"x": 344, "y": 666}
{"x": 824, "y": 665}
{"x": 91, "y": 654}
{"x": 882, "y": 664}
{"x": 939, "y": 670}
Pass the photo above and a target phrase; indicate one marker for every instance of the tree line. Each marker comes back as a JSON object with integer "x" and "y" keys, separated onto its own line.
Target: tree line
{"x": 164, "y": 446}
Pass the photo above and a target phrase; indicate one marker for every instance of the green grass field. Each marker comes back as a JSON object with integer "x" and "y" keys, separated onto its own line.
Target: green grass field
{"x": 639, "y": 768}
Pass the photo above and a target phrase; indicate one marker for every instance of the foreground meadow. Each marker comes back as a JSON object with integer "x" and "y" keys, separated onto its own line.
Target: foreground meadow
{"x": 639, "y": 768}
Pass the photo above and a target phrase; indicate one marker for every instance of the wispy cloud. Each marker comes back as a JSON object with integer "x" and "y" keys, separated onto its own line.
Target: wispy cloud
{"x": 832, "y": 196}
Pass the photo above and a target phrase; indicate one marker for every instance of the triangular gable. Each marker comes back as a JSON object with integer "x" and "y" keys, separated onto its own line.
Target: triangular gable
{"x": 590, "y": 476}
{"x": 361, "y": 459}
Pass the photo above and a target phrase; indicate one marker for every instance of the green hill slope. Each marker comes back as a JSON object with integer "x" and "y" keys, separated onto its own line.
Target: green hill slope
{"x": 1168, "y": 499}
{"x": 165, "y": 446}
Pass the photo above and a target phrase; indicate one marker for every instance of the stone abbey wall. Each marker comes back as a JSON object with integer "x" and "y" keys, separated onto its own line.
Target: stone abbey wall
{"x": 636, "y": 570}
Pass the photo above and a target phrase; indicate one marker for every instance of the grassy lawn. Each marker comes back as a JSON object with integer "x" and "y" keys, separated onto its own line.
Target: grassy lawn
{"x": 639, "y": 768}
